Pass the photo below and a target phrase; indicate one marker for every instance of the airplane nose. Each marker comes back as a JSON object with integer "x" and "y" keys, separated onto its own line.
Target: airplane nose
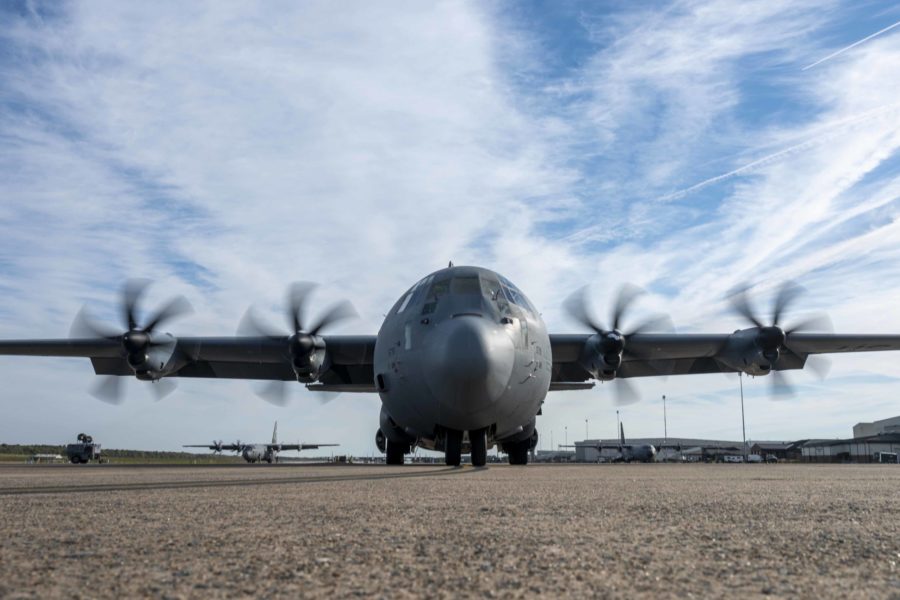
{"x": 469, "y": 362}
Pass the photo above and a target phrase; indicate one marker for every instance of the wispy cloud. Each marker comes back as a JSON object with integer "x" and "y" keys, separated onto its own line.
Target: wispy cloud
{"x": 227, "y": 150}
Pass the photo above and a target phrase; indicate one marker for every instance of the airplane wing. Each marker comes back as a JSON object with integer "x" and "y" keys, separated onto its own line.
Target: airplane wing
{"x": 223, "y": 447}
{"x": 578, "y": 357}
{"x": 349, "y": 358}
{"x": 284, "y": 447}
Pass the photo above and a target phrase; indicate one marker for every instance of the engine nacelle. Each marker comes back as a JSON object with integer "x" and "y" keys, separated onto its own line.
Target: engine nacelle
{"x": 309, "y": 359}
{"x": 380, "y": 441}
{"x": 602, "y": 355}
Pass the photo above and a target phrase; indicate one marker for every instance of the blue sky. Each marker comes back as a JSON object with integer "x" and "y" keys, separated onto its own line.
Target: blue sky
{"x": 227, "y": 149}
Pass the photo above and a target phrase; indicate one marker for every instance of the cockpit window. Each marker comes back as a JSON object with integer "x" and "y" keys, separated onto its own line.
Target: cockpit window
{"x": 439, "y": 288}
{"x": 414, "y": 295}
{"x": 465, "y": 285}
{"x": 515, "y": 295}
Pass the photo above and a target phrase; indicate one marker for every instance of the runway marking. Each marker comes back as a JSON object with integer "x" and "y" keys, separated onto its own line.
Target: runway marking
{"x": 175, "y": 485}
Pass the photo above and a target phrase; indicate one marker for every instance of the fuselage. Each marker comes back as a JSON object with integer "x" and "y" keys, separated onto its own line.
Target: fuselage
{"x": 462, "y": 350}
{"x": 258, "y": 452}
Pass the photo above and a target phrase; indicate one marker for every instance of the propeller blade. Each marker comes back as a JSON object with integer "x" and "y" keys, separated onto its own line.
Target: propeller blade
{"x": 84, "y": 326}
{"x": 658, "y": 323}
{"x": 325, "y": 397}
{"x": 108, "y": 389}
{"x": 252, "y": 325}
{"x": 626, "y": 392}
{"x": 274, "y": 392}
{"x": 163, "y": 387}
{"x": 821, "y": 323}
{"x": 788, "y": 292}
{"x": 134, "y": 289}
{"x": 576, "y": 306}
{"x": 341, "y": 311}
{"x": 741, "y": 305}
{"x": 820, "y": 365}
{"x": 174, "y": 308}
{"x": 297, "y": 296}
{"x": 781, "y": 385}
{"x": 626, "y": 295}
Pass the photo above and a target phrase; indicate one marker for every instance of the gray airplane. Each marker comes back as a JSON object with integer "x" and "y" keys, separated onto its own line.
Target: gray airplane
{"x": 627, "y": 452}
{"x": 254, "y": 453}
{"x": 462, "y": 362}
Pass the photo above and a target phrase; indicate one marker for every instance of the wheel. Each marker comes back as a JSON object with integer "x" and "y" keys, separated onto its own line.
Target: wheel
{"x": 453, "y": 448}
{"x": 395, "y": 453}
{"x": 478, "y": 439}
{"x": 518, "y": 453}
{"x": 75, "y": 460}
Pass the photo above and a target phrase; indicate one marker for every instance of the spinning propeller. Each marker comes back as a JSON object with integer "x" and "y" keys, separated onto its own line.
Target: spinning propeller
{"x": 772, "y": 339}
{"x": 137, "y": 340}
{"x": 303, "y": 343}
{"x": 611, "y": 344}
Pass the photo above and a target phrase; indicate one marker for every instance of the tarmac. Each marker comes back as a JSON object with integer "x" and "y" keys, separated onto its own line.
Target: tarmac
{"x": 609, "y": 531}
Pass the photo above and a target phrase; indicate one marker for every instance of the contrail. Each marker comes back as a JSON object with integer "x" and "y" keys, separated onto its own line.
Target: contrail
{"x": 826, "y": 133}
{"x": 853, "y": 45}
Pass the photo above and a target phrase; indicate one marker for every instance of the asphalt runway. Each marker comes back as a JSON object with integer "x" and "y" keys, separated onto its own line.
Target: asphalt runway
{"x": 618, "y": 531}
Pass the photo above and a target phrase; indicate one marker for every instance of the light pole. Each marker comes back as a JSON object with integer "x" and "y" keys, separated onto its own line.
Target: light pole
{"x": 586, "y": 435}
{"x": 665, "y": 422}
{"x": 567, "y": 435}
{"x": 743, "y": 425}
{"x": 618, "y": 426}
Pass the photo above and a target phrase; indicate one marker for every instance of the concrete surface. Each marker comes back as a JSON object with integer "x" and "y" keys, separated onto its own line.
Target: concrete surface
{"x": 619, "y": 531}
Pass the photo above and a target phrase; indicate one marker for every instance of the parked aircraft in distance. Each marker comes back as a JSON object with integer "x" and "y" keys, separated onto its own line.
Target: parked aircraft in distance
{"x": 462, "y": 362}
{"x": 625, "y": 452}
{"x": 254, "y": 453}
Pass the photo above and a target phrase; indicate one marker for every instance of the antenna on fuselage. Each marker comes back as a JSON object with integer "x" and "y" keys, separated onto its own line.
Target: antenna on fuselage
{"x": 450, "y": 265}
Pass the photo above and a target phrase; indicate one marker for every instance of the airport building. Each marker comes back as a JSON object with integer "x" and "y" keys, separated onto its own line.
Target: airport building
{"x": 863, "y": 430}
{"x": 875, "y": 448}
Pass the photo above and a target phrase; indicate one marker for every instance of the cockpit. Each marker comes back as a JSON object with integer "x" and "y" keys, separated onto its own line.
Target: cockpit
{"x": 469, "y": 290}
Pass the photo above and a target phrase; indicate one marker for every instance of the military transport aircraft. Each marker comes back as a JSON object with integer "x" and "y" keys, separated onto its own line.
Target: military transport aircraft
{"x": 254, "y": 453}
{"x": 463, "y": 360}
{"x": 626, "y": 452}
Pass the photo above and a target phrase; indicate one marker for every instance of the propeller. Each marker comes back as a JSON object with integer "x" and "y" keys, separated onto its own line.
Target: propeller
{"x": 136, "y": 340}
{"x": 238, "y": 447}
{"x": 612, "y": 342}
{"x": 772, "y": 339}
{"x": 302, "y": 340}
{"x": 217, "y": 446}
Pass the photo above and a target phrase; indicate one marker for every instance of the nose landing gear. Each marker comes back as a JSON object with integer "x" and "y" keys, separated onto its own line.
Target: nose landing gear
{"x": 478, "y": 441}
{"x": 453, "y": 447}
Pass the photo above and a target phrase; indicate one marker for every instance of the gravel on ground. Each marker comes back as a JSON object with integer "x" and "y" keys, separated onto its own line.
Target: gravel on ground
{"x": 614, "y": 531}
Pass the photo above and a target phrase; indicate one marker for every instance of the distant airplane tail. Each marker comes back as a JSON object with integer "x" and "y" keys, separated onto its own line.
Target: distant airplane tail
{"x": 275, "y": 433}
{"x": 622, "y": 433}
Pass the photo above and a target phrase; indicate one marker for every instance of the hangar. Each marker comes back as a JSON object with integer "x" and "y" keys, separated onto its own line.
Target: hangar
{"x": 875, "y": 448}
{"x": 883, "y": 426}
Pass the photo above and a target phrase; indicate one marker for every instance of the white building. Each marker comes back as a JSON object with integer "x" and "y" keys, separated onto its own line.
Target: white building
{"x": 891, "y": 425}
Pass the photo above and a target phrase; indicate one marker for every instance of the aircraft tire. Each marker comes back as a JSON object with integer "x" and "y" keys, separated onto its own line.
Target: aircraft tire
{"x": 518, "y": 453}
{"x": 478, "y": 439}
{"x": 453, "y": 448}
{"x": 395, "y": 453}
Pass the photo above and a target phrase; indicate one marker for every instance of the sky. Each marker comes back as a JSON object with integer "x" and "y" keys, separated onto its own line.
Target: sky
{"x": 227, "y": 149}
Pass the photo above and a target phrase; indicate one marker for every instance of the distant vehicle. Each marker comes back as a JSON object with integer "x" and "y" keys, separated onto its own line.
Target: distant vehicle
{"x": 732, "y": 458}
{"x": 771, "y": 458}
{"x": 886, "y": 457}
{"x": 254, "y": 453}
{"x": 754, "y": 458}
{"x": 84, "y": 451}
